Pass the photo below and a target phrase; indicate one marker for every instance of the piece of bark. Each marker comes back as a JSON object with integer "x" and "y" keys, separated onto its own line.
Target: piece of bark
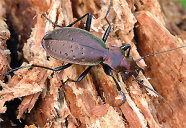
{"x": 4, "y": 36}
{"x": 168, "y": 71}
{"x": 174, "y": 15}
{"x": 18, "y": 13}
{"x": 151, "y": 6}
{"x": 4, "y": 58}
{"x": 4, "y": 52}
{"x": 93, "y": 101}
{"x": 30, "y": 126}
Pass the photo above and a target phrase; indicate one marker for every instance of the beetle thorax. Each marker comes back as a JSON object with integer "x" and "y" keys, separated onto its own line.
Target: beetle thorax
{"x": 117, "y": 60}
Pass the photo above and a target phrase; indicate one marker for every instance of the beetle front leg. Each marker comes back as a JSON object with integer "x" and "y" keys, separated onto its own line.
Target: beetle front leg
{"x": 80, "y": 77}
{"x": 125, "y": 47}
{"x": 109, "y": 72}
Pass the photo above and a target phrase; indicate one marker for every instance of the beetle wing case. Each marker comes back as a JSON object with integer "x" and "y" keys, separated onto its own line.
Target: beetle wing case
{"x": 74, "y": 45}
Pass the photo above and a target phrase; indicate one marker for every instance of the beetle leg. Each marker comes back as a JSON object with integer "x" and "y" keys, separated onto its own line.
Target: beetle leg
{"x": 109, "y": 72}
{"x": 33, "y": 65}
{"x": 51, "y": 21}
{"x": 106, "y": 33}
{"x": 109, "y": 27}
{"x": 125, "y": 47}
{"x": 53, "y": 69}
{"x": 80, "y": 77}
{"x": 62, "y": 67}
{"x": 88, "y": 22}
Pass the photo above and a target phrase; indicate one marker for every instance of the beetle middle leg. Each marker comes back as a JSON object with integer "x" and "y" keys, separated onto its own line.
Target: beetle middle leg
{"x": 80, "y": 77}
{"x": 108, "y": 71}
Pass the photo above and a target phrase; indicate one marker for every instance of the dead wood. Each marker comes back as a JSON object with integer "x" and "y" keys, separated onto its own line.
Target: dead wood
{"x": 93, "y": 101}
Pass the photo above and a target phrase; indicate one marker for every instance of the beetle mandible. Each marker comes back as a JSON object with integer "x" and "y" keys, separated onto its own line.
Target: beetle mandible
{"x": 77, "y": 46}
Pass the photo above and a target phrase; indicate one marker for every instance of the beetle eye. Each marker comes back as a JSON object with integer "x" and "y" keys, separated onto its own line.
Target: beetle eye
{"x": 138, "y": 70}
{"x": 126, "y": 73}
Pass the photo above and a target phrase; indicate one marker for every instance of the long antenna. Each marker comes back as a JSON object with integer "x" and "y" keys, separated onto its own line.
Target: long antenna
{"x": 159, "y": 53}
{"x": 140, "y": 83}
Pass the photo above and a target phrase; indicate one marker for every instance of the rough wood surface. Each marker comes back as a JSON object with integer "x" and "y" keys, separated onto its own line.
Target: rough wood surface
{"x": 93, "y": 101}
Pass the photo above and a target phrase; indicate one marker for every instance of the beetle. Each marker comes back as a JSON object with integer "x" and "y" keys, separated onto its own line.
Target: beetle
{"x": 78, "y": 46}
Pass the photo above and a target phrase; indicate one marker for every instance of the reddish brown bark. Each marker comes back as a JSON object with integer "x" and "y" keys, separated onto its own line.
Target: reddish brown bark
{"x": 93, "y": 101}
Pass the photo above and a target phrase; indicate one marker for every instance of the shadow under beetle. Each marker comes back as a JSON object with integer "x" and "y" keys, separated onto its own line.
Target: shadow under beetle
{"x": 78, "y": 46}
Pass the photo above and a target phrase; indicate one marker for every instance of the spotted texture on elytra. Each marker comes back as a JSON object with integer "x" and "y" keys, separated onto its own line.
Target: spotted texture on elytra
{"x": 74, "y": 45}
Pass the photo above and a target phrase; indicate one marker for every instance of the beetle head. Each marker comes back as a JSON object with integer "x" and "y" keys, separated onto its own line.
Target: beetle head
{"x": 130, "y": 67}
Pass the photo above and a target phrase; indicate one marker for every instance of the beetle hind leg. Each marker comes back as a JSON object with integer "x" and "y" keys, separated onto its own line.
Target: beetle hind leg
{"x": 88, "y": 22}
{"x": 109, "y": 27}
{"x": 51, "y": 21}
